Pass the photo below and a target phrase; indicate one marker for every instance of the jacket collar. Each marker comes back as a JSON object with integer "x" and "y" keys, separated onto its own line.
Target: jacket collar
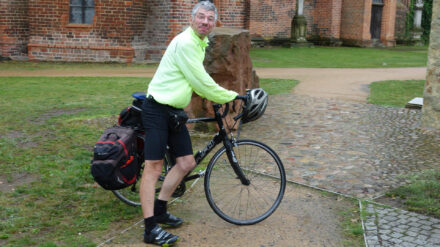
{"x": 202, "y": 42}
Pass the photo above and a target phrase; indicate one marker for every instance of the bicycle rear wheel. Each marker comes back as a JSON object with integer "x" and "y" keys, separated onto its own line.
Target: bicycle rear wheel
{"x": 130, "y": 194}
{"x": 245, "y": 204}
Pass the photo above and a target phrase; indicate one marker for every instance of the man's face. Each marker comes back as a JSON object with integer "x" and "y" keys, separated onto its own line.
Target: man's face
{"x": 203, "y": 22}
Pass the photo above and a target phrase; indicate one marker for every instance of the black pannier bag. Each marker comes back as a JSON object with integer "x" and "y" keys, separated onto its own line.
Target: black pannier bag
{"x": 115, "y": 165}
{"x": 131, "y": 116}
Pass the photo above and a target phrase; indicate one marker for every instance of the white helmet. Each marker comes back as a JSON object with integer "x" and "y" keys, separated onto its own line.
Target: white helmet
{"x": 256, "y": 104}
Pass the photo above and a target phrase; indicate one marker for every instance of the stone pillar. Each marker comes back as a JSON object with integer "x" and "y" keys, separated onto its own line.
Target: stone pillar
{"x": 431, "y": 98}
{"x": 299, "y": 25}
{"x": 417, "y": 28}
{"x": 228, "y": 62}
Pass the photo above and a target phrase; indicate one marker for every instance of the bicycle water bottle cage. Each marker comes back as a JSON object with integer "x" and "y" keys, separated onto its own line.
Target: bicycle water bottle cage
{"x": 139, "y": 95}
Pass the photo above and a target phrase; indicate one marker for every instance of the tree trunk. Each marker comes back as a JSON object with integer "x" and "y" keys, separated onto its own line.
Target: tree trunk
{"x": 431, "y": 98}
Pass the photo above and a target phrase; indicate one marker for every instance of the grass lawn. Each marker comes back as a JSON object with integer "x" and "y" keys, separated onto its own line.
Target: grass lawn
{"x": 339, "y": 57}
{"x": 33, "y": 66}
{"x": 48, "y": 128}
{"x": 395, "y": 93}
{"x": 422, "y": 195}
{"x": 317, "y": 57}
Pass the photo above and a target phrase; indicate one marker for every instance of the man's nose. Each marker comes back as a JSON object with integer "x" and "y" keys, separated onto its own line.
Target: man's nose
{"x": 205, "y": 20}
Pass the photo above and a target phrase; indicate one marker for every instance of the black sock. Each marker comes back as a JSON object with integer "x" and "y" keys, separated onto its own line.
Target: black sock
{"x": 160, "y": 207}
{"x": 150, "y": 223}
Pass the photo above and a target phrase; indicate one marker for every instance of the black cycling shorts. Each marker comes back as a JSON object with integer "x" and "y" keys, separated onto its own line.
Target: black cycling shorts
{"x": 158, "y": 136}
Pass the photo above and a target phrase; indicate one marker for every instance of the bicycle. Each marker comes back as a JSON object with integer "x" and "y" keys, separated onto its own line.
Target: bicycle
{"x": 244, "y": 181}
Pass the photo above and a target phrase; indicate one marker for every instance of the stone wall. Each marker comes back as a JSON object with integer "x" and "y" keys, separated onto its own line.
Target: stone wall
{"x": 431, "y": 98}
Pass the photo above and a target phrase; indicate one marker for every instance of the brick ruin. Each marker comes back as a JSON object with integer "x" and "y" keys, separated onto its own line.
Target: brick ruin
{"x": 139, "y": 30}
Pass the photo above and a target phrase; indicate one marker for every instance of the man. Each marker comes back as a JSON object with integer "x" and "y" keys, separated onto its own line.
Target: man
{"x": 180, "y": 73}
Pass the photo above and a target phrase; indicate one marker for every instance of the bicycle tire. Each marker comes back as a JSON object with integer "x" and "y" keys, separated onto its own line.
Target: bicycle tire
{"x": 245, "y": 204}
{"x": 130, "y": 194}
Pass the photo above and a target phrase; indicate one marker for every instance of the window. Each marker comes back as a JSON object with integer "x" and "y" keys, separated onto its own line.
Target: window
{"x": 82, "y": 11}
{"x": 377, "y": 2}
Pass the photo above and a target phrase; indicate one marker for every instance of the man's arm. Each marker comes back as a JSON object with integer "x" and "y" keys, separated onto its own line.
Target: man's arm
{"x": 190, "y": 61}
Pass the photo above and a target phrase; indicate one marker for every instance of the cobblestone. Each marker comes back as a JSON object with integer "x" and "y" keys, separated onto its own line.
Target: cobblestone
{"x": 351, "y": 148}
{"x": 355, "y": 149}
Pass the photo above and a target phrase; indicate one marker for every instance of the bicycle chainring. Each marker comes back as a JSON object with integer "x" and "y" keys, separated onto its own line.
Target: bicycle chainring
{"x": 180, "y": 190}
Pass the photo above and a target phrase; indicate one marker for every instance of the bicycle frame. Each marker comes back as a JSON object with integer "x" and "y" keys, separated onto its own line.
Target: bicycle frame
{"x": 219, "y": 137}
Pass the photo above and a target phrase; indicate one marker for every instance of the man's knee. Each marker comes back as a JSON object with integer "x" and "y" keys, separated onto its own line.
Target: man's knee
{"x": 153, "y": 167}
{"x": 186, "y": 163}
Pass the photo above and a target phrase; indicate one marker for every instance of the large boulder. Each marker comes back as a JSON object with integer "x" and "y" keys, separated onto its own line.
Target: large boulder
{"x": 228, "y": 62}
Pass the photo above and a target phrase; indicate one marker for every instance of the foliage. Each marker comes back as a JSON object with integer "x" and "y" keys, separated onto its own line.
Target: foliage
{"x": 426, "y": 20}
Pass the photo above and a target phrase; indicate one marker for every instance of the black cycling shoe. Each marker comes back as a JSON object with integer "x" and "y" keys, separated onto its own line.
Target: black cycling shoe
{"x": 168, "y": 219}
{"x": 160, "y": 237}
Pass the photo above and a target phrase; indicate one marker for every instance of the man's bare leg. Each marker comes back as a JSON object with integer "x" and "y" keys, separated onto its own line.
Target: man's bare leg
{"x": 183, "y": 165}
{"x": 150, "y": 175}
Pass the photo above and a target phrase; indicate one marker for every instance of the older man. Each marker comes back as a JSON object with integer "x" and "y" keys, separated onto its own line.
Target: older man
{"x": 180, "y": 73}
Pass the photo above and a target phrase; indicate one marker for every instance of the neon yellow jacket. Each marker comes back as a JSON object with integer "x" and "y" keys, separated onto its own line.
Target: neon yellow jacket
{"x": 181, "y": 72}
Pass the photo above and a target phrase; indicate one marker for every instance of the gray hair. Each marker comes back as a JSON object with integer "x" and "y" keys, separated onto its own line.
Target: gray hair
{"x": 206, "y": 5}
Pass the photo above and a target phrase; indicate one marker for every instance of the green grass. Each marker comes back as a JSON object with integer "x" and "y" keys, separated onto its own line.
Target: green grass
{"x": 422, "y": 195}
{"x": 34, "y": 66}
{"x": 45, "y": 133}
{"x": 339, "y": 57}
{"x": 352, "y": 226}
{"x": 277, "y": 86}
{"x": 48, "y": 128}
{"x": 395, "y": 93}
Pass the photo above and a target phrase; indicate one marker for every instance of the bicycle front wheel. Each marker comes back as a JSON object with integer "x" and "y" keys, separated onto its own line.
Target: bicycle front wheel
{"x": 245, "y": 204}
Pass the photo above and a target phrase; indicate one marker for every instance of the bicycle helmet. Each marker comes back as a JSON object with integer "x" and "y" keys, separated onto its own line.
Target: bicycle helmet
{"x": 255, "y": 106}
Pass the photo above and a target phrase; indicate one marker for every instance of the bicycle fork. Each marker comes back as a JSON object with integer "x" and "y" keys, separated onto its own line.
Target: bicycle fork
{"x": 234, "y": 163}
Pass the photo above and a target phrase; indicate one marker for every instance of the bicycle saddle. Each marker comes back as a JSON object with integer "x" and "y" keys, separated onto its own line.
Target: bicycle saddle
{"x": 139, "y": 95}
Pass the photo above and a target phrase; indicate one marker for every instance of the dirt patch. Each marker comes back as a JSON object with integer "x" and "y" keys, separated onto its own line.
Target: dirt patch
{"x": 10, "y": 183}
{"x": 305, "y": 218}
{"x": 54, "y": 113}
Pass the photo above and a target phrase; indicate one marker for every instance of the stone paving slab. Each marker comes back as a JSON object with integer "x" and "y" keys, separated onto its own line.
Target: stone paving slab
{"x": 387, "y": 226}
{"x": 356, "y": 149}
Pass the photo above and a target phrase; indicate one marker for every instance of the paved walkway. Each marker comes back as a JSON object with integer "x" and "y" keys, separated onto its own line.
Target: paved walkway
{"x": 355, "y": 149}
{"x": 346, "y": 84}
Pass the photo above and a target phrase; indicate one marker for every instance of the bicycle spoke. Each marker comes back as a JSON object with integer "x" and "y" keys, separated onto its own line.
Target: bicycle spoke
{"x": 245, "y": 204}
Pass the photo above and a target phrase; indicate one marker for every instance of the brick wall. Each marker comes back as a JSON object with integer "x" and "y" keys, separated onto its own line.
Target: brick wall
{"x": 354, "y": 27}
{"x": 233, "y": 13}
{"x": 270, "y": 19}
{"x": 14, "y": 28}
{"x": 109, "y": 38}
{"x": 388, "y": 23}
{"x": 140, "y": 30}
{"x": 323, "y": 20}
